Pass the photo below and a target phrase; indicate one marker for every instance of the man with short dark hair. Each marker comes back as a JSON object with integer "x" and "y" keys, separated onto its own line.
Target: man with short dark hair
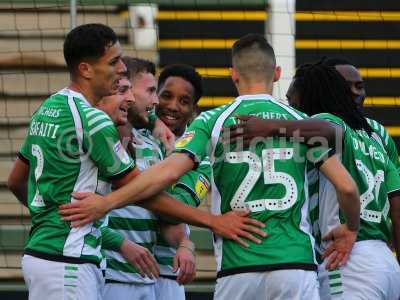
{"x": 179, "y": 90}
{"x": 69, "y": 143}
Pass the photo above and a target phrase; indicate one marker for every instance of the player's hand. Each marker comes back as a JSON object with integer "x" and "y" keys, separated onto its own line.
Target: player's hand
{"x": 165, "y": 135}
{"x": 140, "y": 258}
{"x": 185, "y": 262}
{"x": 247, "y": 128}
{"x": 89, "y": 208}
{"x": 338, "y": 252}
{"x": 235, "y": 225}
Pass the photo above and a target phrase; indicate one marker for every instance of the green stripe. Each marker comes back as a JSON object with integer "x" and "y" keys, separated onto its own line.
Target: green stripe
{"x": 333, "y": 276}
{"x": 93, "y": 258}
{"x": 70, "y": 276}
{"x": 335, "y": 284}
{"x": 91, "y": 240}
{"x": 132, "y": 224}
{"x": 70, "y": 285}
{"x": 71, "y": 268}
{"x": 336, "y": 290}
{"x": 169, "y": 261}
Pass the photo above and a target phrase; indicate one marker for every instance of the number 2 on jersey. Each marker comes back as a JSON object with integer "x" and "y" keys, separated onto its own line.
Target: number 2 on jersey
{"x": 37, "y": 152}
{"x": 371, "y": 194}
{"x": 265, "y": 165}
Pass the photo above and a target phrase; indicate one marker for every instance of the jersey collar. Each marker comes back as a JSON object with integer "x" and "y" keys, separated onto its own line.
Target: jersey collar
{"x": 68, "y": 92}
{"x": 266, "y": 97}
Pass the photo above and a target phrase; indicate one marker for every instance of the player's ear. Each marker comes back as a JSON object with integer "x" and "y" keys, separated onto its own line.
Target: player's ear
{"x": 277, "y": 73}
{"x": 85, "y": 70}
{"x": 234, "y": 76}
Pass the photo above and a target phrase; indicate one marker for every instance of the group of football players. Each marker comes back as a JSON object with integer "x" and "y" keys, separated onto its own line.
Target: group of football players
{"x": 304, "y": 197}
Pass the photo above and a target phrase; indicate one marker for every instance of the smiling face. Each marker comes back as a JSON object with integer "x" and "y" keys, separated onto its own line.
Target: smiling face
{"x": 176, "y": 103}
{"x": 116, "y": 106}
{"x": 106, "y": 71}
{"x": 144, "y": 89}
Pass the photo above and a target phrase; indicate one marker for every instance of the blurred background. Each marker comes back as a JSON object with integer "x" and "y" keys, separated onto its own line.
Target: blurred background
{"x": 195, "y": 32}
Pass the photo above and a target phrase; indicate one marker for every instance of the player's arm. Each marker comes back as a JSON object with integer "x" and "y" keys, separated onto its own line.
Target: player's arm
{"x": 392, "y": 182}
{"x": 346, "y": 190}
{"x": 18, "y": 180}
{"x": 305, "y": 130}
{"x": 395, "y": 218}
{"x": 344, "y": 236}
{"x": 139, "y": 257}
{"x": 184, "y": 259}
{"x": 392, "y": 152}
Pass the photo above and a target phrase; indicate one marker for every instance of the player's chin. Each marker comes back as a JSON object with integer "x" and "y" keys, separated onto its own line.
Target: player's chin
{"x": 122, "y": 121}
{"x": 171, "y": 123}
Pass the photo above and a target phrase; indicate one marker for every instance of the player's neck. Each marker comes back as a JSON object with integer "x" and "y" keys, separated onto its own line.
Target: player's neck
{"x": 254, "y": 89}
{"x": 85, "y": 91}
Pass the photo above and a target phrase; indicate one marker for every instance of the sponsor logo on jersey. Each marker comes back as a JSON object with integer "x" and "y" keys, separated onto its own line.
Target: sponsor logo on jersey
{"x": 185, "y": 139}
{"x": 121, "y": 153}
{"x": 201, "y": 187}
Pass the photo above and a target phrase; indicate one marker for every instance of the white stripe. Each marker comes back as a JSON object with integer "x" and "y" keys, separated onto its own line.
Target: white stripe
{"x": 382, "y": 130}
{"x": 313, "y": 201}
{"x": 163, "y": 251}
{"x": 336, "y": 289}
{"x": 115, "y": 255}
{"x": 86, "y": 182}
{"x": 215, "y": 195}
{"x": 387, "y": 139}
{"x": 167, "y": 270}
{"x": 100, "y": 126}
{"x": 132, "y": 212}
{"x": 147, "y": 142}
{"x": 305, "y": 225}
{"x": 312, "y": 176}
{"x": 141, "y": 237}
{"x": 127, "y": 277}
{"x": 98, "y": 118}
{"x": 335, "y": 280}
{"x": 92, "y": 112}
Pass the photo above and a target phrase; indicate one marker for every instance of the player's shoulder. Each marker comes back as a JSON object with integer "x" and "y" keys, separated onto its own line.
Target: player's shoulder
{"x": 94, "y": 119}
{"x": 289, "y": 109}
{"x": 379, "y": 129}
{"x": 331, "y": 118}
{"x": 275, "y": 108}
{"x": 212, "y": 114}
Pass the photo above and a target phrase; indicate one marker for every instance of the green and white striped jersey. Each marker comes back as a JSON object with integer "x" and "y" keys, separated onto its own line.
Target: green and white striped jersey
{"x": 133, "y": 222}
{"x": 386, "y": 141}
{"x": 69, "y": 143}
{"x": 268, "y": 178}
{"x": 191, "y": 189}
{"x": 376, "y": 178}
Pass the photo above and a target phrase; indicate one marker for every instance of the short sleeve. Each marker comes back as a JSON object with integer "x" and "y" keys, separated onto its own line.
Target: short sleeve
{"x": 392, "y": 180}
{"x": 24, "y": 152}
{"x": 196, "y": 182}
{"x": 107, "y": 152}
{"x": 391, "y": 150}
{"x": 195, "y": 140}
{"x": 319, "y": 154}
{"x": 111, "y": 240}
